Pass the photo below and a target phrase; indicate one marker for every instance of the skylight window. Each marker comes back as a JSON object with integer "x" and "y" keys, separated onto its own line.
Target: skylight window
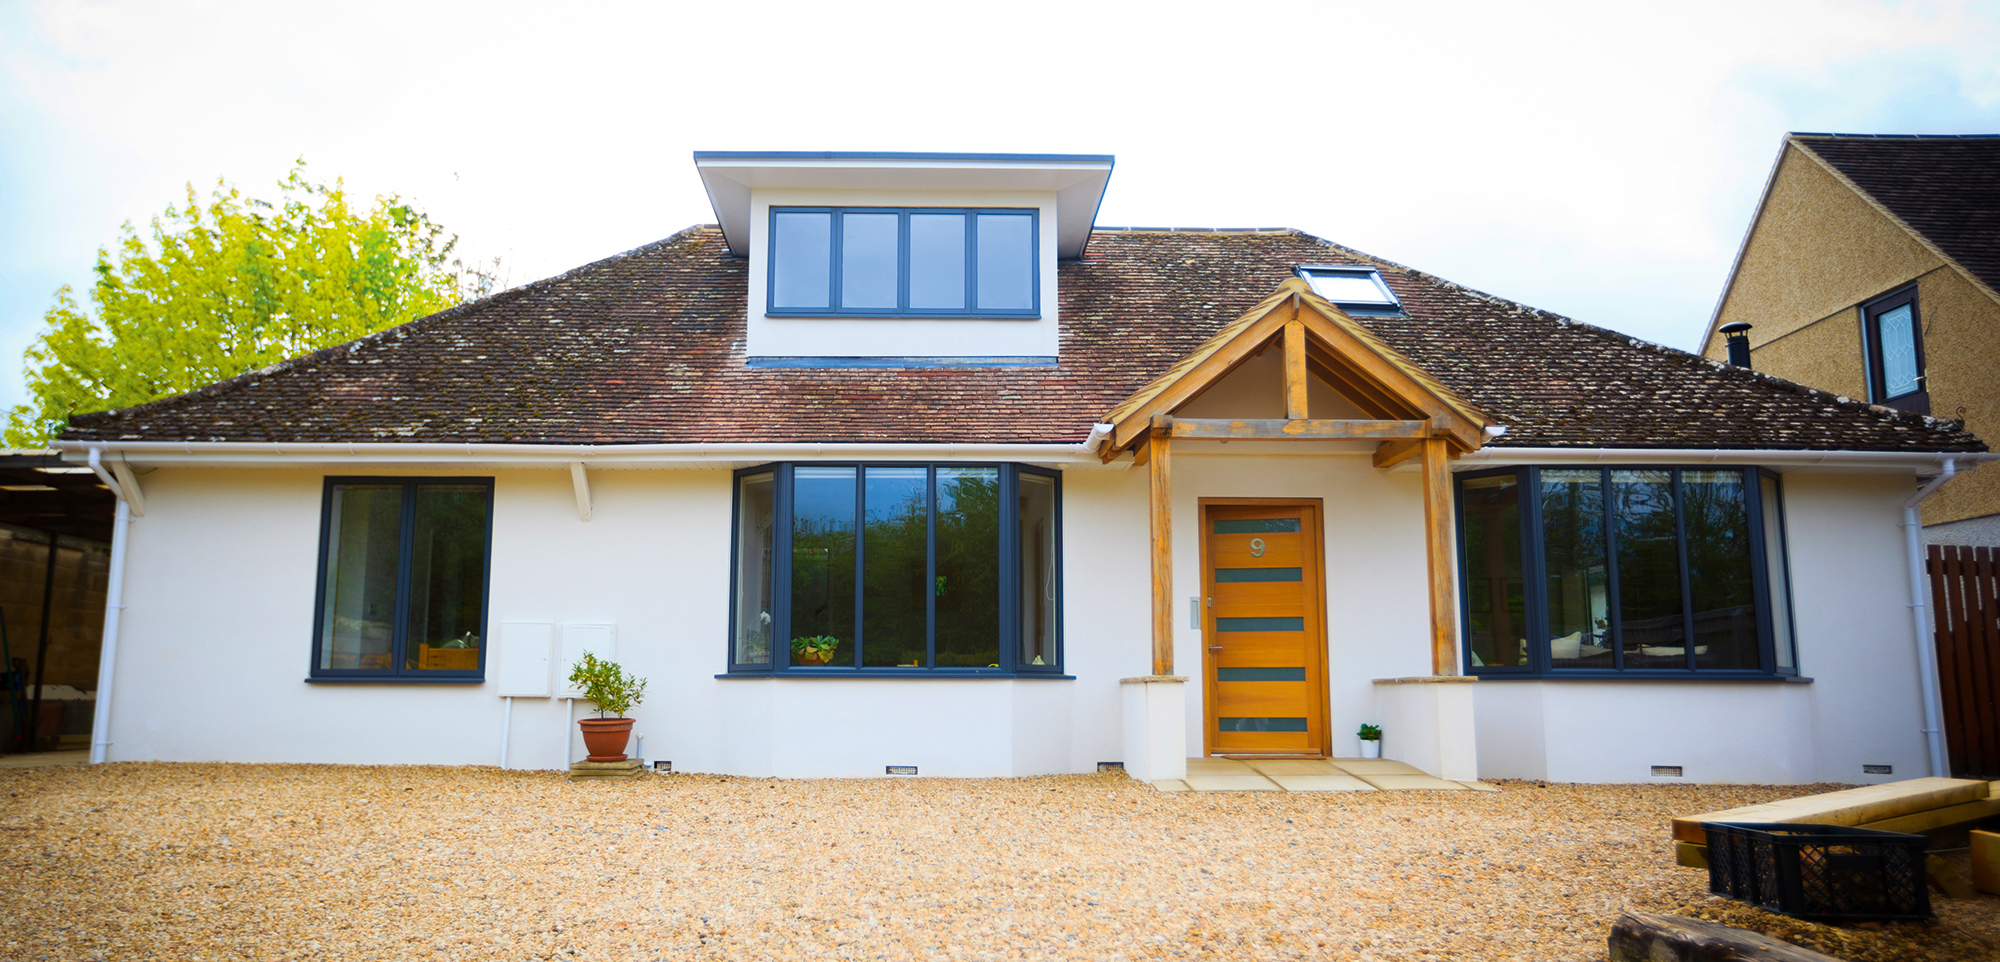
{"x": 1356, "y": 290}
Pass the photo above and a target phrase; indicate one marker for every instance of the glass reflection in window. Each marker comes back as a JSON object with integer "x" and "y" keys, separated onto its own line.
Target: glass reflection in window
{"x": 1495, "y": 602}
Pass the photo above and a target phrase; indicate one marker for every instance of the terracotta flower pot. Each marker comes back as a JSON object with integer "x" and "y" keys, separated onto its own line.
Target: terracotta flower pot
{"x": 605, "y": 738}
{"x": 812, "y": 658}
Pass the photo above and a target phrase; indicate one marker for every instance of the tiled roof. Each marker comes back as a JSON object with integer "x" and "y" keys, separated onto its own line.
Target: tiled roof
{"x": 648, "y": 347}
{"x": 1947, "y": 188}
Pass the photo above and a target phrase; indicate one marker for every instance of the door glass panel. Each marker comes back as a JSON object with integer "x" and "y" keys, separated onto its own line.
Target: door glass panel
{"x": 893, "y": 550}
{"x": 1496, "y": 604}
{"x": 868, "y": 258}
{"x": 365, "y": 541}
{"x": 802, "y": 259}
{"x": 1256, "y": 525}
{"x": 1897, "y": 333}
{"x": 755, "y": 525}
{"x": 1260, "y": 674}
{"x": 1577, "y": 567}
{"x": 1006, "y": 262}
{"x": 823, "y": 562}
{"x": 1036, "y": 516}
{"x": 447, "y": 578}
{"x": 1718, "y": 553}
{"x": 1777, "y": 575}
{"x": 1241, "y": 575}
{"x": 1260, "y": 624}
{"x": 1260, "y": 724}
{"x": 967, "y": 583}
{"x": 1654, "y": 632}
{"x": 937, "y": 262}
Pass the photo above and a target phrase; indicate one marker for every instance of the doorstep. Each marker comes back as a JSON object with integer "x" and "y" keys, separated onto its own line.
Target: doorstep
{"x": 1310, "y": 775}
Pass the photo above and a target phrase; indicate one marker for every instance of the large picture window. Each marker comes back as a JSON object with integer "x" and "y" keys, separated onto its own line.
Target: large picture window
{"x": 887, "y": 261}
{"x": 1624, "y": 571}
{"x": 897, "y": 569}
{"x": 402, "y": 579}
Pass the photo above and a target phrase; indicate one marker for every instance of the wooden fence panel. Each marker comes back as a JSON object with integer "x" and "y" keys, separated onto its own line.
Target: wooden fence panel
{"x": 1965, "y": 608}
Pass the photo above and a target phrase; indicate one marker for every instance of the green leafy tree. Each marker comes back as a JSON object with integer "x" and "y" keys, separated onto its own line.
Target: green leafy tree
{"x": 233, "y": 286}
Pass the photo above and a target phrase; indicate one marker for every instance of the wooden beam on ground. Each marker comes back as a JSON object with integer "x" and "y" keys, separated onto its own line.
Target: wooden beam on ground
{"x": 1296, "y": 408}
{"x": 1437, "y": 554}
{"x": 1158, "y": 445}
{"x": 1325, "y": 429}
{"x": 1862, "y": 806}
{"x": 1388, "y": 454}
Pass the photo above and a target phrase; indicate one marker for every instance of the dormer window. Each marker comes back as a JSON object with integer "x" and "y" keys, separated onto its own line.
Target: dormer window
{"x": 1356, "y": 290}
{"x": 916, "y": 261}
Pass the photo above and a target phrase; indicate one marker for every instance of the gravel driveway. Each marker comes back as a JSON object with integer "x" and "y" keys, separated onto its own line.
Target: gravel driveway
{"x": 198, "y": 861}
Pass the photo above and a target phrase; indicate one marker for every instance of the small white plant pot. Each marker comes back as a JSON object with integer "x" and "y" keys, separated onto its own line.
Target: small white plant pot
{"x": 1371, "y": 749}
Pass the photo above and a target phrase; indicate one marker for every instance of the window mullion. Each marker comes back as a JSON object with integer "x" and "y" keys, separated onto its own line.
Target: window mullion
{"x": 781, "y": 569}
{"x": 860, "y": 556}
{"x": 1611, "y": 593}
{"x": 972, "y": 261}
{"x": 399, "y": 635}
{"x": 930, "y": 567}
{"x": 903, "y": 261}
{"x": 1760, "y": 569}
{"x": 1687, "y": 584}
{"x": 1010, "y": 568}
{"x": 1535, "y": 590}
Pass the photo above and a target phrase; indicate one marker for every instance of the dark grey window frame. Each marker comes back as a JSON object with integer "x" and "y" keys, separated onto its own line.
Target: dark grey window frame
{"x": 902, "y": 309}
{"x": 1919, "y": 400}
{"x": 1535, "y": 580}
{"x": 781, "y": 582}
{"x": 396, "y": 673}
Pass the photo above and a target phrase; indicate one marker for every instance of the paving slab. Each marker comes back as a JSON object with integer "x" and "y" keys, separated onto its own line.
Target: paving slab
{"x": 1219, "y": 766}
{"x": 1171, "y": 785}
{"x": 80, "y": 756}
{"x": 1376, "y": 766}
{"x": 1321, "y": 783}
{"x": 1296, "y": 766}
{"x": 1480, "y": 786}
{"x": 1412, "y": 782}
{"x": 1232, "y": 783}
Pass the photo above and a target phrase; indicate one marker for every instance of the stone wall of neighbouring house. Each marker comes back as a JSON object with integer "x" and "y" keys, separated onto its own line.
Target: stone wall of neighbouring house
{"x": 76, "y": 619}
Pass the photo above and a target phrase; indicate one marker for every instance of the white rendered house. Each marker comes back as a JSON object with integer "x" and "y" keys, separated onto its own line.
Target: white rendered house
{"x": 908, "y": 463}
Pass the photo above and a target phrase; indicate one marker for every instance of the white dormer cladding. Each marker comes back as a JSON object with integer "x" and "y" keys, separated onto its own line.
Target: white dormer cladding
{"x": 1059, "y": 192}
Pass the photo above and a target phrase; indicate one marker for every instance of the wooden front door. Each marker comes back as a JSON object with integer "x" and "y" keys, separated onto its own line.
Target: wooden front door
{"x": 1264, "y": 628}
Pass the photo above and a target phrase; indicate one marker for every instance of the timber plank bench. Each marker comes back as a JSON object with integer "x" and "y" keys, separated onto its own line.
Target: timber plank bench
{"x": 1917, "y": 805}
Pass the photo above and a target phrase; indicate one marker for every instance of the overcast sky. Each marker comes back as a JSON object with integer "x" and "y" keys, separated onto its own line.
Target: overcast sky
{"x": 1596, "y": 159}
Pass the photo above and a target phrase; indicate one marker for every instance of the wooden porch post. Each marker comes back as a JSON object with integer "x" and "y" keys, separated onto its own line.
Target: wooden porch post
{"x": 1437, "y": 552}
{"x": 1158, "y": 443}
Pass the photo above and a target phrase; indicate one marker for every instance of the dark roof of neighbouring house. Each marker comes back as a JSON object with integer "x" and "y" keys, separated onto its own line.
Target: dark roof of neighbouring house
{"x": 1944, "y": 187}
{"x": 648, "y": 347}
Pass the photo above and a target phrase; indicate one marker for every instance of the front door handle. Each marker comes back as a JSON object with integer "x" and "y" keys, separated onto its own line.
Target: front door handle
{"x": 1215, "y": 648}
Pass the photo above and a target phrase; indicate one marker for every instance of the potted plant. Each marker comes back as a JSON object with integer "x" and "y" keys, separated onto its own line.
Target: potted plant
{"x": 1371, "y": 741}
{"x": 614, "y": 692}
{"x": 814, "y": 650}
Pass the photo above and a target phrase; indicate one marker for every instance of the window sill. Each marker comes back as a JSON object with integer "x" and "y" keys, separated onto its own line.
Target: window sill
{"x": 1634, "y": 676}
{"x": 919, "y": 674}
{"x": 391, "y": 680}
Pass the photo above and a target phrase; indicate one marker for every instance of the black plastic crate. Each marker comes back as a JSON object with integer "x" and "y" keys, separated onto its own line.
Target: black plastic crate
{"x": 1819, "y": 872}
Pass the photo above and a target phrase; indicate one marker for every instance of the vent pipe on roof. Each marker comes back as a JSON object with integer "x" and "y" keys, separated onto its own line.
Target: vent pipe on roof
{"x": 1738, "y": 334}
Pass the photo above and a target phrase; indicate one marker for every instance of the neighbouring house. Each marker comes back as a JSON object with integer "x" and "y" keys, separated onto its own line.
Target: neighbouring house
{"x": 907, "y": 463}
{"x": 1872, "y": 269}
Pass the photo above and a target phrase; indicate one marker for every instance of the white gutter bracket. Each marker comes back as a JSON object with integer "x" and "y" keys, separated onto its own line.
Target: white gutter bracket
{"x": 1920, "y": 619}
{"x": 581, "y": 481}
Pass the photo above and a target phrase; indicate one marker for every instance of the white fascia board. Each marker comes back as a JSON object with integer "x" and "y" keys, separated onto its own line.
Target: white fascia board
{"x": 1914, "y": 462}
{"x": 1077, "y": 179}
{"x": 219, "y": 454}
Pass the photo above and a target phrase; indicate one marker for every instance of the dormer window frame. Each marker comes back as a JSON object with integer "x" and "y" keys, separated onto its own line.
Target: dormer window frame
{"x": 903, "y": 307}
{"x": 1386, "y": 305}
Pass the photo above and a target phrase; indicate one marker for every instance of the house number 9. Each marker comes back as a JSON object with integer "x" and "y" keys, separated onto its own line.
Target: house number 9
{"x": 1256, "y": 547}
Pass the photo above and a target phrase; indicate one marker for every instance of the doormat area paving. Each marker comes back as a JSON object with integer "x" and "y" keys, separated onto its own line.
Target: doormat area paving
{"x": 281, "y": 862}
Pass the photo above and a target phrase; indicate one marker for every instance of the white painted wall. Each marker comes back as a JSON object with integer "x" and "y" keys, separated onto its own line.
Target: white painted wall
{"x": 1855, "y": 642}
{"x": 899, "y": 336}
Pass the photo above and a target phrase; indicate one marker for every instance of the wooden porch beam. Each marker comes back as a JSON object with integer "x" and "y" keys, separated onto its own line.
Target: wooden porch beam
{"x": 1298, "y": 429}
{"x": 1157, "y": 445}
{"x": 1438, "y": 555}
{"x": 1388, "y": 454}
{"x": 1295, "y": 368}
